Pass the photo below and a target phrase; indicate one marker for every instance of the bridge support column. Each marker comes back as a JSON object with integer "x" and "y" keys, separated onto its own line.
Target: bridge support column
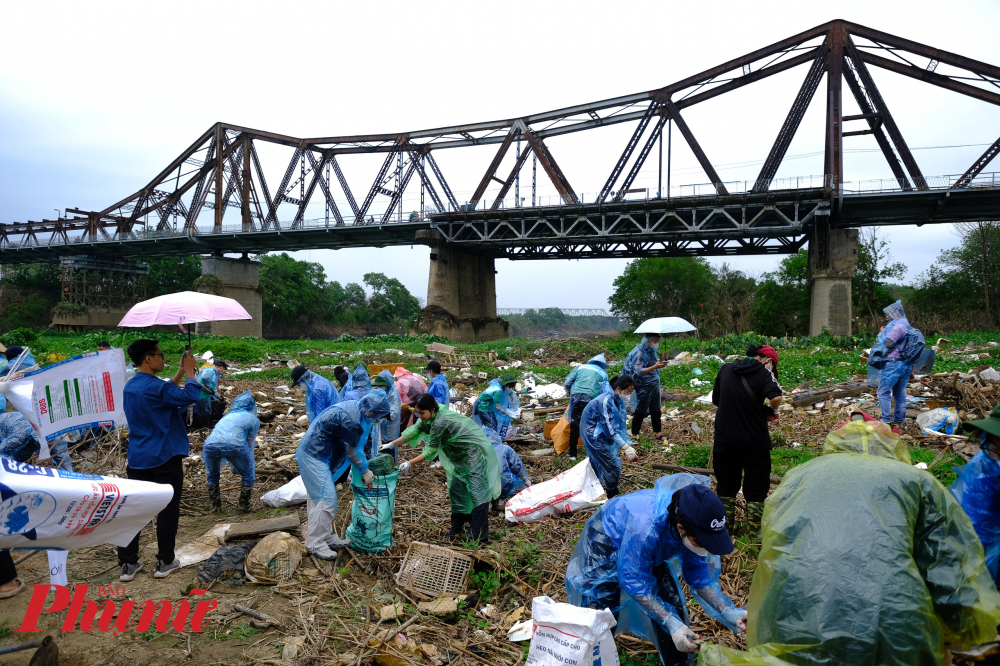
{"x": 833, "y": 256}
{"x": 461, "y": 294}
{"x": 238, "y": 279}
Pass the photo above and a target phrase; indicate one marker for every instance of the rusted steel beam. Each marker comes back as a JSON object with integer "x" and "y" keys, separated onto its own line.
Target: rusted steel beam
{"x": 403, "y": 182}
{"x": 492, "y": 169}
{"x": 641, "y": 159}
{"x": 343, "y": 185}
{"x": 791, "y": 125}
{"x": 444, "y": 183}
{"x": 310, "y": 189}
{"x": 359, "y": 218}
{"x": 930, "y": 77}
{"x": 626, "y": 155}
{"x": 706, "y": 164}
{"x": 219, "y": 173}
{"x": 834, "y": 162}
{"x": 506, "y": 185}
{"x": 883, "y": 110}
{"x": 874, "y": 119}
{"x": 245, "y": 217}
{"x": 419, "y": 157}
{"x": 978, "y": 165}
{"x": 279, "y": 195}
{"x": 317, "y": 166}
{"x": 552, "y": 169}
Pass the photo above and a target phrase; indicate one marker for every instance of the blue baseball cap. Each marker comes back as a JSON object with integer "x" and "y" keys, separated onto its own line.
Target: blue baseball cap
{"x": 706, "y": 513}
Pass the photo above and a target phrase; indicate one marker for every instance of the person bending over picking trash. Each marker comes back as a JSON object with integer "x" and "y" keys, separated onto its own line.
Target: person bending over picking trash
{"x": 633, "y": 550}
{"x": 513, "y": 476}
{"x": 209, "y": 379}
{"x": 358, "y": 384}
{"x": 584, "y": 383}
{"x": 643, "y": 365}
{"x": 977, "y": 489}
{"x": 320, "y": 392}
{"x": 439, "y": 384}
{"x": 497, "y": 405}
{"x": 742, "y": 451}
{"x": 334, "y": 441}
{"x": 389, "y": 427}
{"x": 157, "y": 445}
{"x": 866, "y": 560}
{"x": 233, "y": 440}
{"x": 468, "y": 459}
{"x": 605, "y": 433}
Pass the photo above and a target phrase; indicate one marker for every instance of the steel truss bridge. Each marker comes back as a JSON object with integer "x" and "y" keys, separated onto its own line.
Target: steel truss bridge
{"x": 222, "y": 171}
{"x": 569, "y": 312}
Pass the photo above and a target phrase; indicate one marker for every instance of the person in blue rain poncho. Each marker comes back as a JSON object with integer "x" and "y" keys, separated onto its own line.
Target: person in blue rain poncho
{"x": 358, "y": 384}
{"x": 497, "y": 405}
{"x": 632, "y": 551}
{"x": 439, "y": 384}
{"x": 643, "y": 365}
{"x": 891, "y": 362}
{"x": 209, "y": 379}
{"x": 388, "y": 428}
{"x": 977, "y": 489}
{"x": 583, "y": 384}
{"x": 334, "y": 441}
{"x": 513, "y": 475}
{"x": 19, "y": 442}
{"x": 233, "y": 440}
{"x": 320, "y": 392}
{"x": 604, "y": 433}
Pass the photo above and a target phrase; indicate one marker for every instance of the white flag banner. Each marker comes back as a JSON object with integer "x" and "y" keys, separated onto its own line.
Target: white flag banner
{"x": 48, "y": 508}
{"x": 80, "y": 392}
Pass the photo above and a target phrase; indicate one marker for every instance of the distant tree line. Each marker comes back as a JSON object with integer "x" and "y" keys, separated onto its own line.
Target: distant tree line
{"x": 546, "y": 321}
{"x": 958, "y": 292}
{"x": 296, "y": 295}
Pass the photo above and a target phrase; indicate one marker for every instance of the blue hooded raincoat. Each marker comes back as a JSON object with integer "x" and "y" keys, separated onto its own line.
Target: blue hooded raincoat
{"x": 233, "y": 440}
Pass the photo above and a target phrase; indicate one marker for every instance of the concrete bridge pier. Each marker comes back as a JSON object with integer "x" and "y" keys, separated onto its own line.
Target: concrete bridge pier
{"x": 238, "y": 279}
{"x": 833, "y": 257}
{"x": 461, "y": 294}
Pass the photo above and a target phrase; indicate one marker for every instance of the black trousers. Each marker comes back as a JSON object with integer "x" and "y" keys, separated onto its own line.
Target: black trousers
{"x": 172, "y": 473}
{"x": 607, "y": 596}
{"x": 747, "y": 466}
{"x": 649, "y": 405}
{"x": 8, "y": 571}
{"x": 578, "y": 403}
{"x": 479, "y": 523}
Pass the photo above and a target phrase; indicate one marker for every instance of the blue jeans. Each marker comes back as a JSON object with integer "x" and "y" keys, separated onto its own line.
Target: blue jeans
{"x": 239, "y": 457}
{"x": 892, "y": 384}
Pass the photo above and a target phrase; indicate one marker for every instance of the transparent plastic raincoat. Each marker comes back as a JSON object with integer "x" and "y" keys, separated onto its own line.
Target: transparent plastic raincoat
{"x": 232, "y": 440}
{"x": 513, "y": 476}
{"x": 589, "y": 378}
{"x": 388, "y": 428}
{"x": 902, "y": 352}
{"x": 439, "y": 389}
{"x": 604, "y": 431}
{"x": 28, "y": 362}
{"x": 642, "y": 356}
{"x": 495, "y": 407}
{"x": 865, "y": 560}
{"x": 358, "y": 384}
{"x": 17, "y": 437}
{"x": 208, "y": 378}
{"x": 627, "y": 545}
{"x": 466, "y": 454}
{"x": 320, "y": 394}
{"x": 408, "y": 385}
{"x": 977, "y": 489}
{"x": 334, "y": 441}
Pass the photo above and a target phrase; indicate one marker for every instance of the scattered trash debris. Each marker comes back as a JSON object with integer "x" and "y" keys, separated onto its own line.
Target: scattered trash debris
{"x": 274, "y": 559}
{"x": 432, "y": 571}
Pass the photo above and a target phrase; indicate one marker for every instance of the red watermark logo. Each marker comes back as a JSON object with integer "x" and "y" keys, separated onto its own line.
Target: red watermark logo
{"x": 107, "y": 616}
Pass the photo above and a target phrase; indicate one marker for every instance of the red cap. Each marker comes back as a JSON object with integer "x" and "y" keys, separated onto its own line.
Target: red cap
{"x": 768, "y": 351}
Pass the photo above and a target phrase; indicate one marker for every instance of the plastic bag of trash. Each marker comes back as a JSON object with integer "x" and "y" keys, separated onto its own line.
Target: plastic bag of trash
{"x": 290, "y": 494}
{"x": 372, "y": 508}
{"x": 575, "y": 489}
{"x": 938, "y": 421}
{"x": 226, "y": 559}
{"x": 274, "y": 558}
{"x": 567, "y": 634}
{"x": 397, "y": 651}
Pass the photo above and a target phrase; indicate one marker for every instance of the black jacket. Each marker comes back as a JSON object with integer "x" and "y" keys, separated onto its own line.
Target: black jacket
{"x": 741, "y": 419}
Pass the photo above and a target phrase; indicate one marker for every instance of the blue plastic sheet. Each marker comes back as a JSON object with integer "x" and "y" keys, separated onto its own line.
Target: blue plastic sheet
{"x": 977, "y": 489}
{"x": 621, "y": 546}
{"x": 17, "y": 437}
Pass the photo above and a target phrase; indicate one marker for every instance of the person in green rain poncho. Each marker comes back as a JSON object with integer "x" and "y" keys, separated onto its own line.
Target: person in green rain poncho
{"x": 865, "y": 560}
{"x": 468, "y": 459}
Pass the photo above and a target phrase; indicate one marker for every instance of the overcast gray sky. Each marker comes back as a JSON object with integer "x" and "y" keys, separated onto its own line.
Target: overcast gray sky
{"x": 96, "y": 98}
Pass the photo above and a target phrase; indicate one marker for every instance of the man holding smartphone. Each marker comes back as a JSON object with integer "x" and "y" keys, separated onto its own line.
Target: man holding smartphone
{"x": 157, "y": 444}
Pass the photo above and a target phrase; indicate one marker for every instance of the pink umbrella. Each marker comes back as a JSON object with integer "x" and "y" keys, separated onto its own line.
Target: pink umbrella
{"x": 185, "y": 307}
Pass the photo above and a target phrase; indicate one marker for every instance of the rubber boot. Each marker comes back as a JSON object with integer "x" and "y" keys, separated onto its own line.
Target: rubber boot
{"x": 216, "y": 497}
{"x": 755, "y": 513}
{"x": 245, "y": 493}
{"x": 730, "y": 504}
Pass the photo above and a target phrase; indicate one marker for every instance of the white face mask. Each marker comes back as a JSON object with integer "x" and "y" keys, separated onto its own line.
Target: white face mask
{"x": 697, "y": 551}
{"x": 654, "y": 345}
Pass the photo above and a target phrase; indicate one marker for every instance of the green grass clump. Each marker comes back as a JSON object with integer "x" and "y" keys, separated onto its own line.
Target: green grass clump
{"x": 696, "y": 456}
